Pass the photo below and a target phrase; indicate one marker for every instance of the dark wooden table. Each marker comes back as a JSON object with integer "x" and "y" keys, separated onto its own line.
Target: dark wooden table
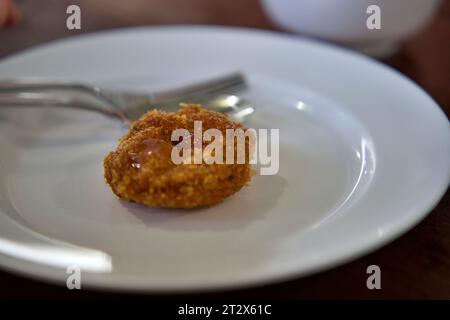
{"x": 416, "y": 265}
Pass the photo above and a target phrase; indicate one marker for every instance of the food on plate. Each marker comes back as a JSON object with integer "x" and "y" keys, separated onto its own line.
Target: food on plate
{"x": 142, "y": 169}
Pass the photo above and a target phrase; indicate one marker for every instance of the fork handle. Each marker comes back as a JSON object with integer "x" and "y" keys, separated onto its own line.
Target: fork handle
{"x": 39, "y": 99}
{"x": 40, "y": 84}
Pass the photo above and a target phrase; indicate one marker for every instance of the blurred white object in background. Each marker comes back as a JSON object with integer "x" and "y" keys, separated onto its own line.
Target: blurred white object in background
{"x": 344, "y": 21}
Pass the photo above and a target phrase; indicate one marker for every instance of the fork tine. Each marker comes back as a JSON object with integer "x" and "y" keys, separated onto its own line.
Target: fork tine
{"x": 225, "y": 84}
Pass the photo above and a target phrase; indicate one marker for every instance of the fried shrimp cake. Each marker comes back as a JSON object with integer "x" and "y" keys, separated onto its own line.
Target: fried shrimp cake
{"x": 141, "y": 168}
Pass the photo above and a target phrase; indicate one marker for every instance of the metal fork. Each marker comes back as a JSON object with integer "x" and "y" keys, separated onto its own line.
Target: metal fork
{"x": 217, "y": 94}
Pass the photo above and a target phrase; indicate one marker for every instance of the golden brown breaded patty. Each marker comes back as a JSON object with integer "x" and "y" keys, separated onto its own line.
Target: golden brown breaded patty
{"x": 141, "y": 169}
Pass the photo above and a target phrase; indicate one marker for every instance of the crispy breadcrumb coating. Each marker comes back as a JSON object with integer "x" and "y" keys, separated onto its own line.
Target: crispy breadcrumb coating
{"x": 141, "y": 169}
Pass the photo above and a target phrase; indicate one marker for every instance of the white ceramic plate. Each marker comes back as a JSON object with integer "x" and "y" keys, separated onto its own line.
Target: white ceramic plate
{"x": 365, "y": 155}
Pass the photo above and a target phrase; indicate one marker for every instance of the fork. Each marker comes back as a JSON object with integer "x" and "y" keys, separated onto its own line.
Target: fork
{"x": 215, "y": 94}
